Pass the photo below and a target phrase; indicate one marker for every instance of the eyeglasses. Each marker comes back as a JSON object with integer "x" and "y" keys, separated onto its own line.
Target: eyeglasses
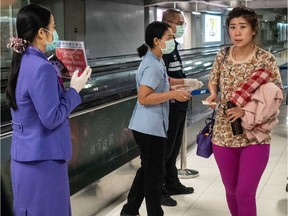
{"x": 181, "y": 24}
{"x": 48, "y": 31}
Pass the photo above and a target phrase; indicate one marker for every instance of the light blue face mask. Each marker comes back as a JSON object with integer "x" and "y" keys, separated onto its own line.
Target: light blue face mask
{"x": 170, "y": 46}
{"x": 52, "y": 45}
{"x": 179, "y": 31}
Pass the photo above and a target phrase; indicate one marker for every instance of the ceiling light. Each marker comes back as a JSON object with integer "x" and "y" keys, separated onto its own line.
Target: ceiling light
{"x": 188, "y": 68}
{"x": 196, "y": 12}
{"x": 207, "y": 64}
{"x": 198, "y": 63}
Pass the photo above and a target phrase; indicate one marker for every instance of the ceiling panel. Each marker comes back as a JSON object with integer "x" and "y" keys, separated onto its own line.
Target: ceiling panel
{"x": 255, "y": 4}
{"x": 276, "y": 6}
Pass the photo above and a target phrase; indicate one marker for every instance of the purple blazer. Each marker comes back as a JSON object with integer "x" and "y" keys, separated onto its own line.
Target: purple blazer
{"x": 40, "y": 124}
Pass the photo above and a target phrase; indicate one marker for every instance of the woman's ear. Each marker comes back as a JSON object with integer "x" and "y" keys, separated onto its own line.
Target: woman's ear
{"x": 42, "y": 34}
{"x": 41, "y": 37}
{"x": 156, "y": 41}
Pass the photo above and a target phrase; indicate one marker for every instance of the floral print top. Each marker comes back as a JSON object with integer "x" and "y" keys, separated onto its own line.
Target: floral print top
{"x": 228, "y": 74}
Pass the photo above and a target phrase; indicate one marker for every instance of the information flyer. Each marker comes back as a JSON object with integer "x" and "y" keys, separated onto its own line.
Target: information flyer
{"x": 73, "y": 56}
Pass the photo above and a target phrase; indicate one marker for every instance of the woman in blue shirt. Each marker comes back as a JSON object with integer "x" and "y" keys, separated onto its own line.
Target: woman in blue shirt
{"x": 41, "y": 141}
{"x": 149, "y": 121}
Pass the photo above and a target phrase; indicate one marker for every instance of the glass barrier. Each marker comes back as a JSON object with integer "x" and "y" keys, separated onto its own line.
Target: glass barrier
{"x": 112, "y": 80}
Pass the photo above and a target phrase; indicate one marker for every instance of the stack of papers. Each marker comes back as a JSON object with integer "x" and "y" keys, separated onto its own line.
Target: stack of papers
{"x": 207, "y": 103}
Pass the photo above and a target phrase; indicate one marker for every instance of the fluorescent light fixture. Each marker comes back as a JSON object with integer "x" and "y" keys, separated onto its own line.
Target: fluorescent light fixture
{"x": 188, "y": 62}
{"x": 207, "y": 64}
{"x": 229, "y": 8}
{"x": 198, "y": 63}
{"x": 196, "y": 13}
{"x": 188, "y": 68}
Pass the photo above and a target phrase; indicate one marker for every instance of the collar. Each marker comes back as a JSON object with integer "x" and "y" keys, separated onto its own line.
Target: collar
{"x": 176, "y": 47}
{"x": 31, "y": 50}
{"x": 176, "y": 43}
{"x": 150, "y": 53}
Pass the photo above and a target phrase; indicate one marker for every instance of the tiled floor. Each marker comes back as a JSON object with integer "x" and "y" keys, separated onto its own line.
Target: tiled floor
{"x": 209, "y": 196}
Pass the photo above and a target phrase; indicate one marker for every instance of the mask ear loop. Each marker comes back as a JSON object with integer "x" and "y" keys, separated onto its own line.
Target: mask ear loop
{"x": 50, "y": 33}
{"x": 161, "y": 47}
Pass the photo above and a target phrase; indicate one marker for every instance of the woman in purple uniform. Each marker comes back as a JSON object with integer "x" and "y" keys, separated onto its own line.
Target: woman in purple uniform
{"x": 41, "y": 143}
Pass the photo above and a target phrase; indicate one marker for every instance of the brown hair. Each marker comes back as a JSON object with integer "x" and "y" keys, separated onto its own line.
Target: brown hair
{"x": 246, "y": 13}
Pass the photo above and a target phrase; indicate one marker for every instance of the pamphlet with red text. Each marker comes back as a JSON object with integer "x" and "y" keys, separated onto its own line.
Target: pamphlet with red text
{"x": 73, "y": 56}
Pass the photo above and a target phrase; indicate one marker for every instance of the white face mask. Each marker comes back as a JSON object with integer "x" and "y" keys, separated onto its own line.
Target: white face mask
{"x": 170, "y": 46}
{"x": 179, "y": 31}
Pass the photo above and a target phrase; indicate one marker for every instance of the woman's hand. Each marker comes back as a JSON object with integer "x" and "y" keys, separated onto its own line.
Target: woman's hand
{"x": 212, "y": 99}
{"x": 78, "y": 81}
{"x": 234, "y": 113}
{"x": 181, "y": 96}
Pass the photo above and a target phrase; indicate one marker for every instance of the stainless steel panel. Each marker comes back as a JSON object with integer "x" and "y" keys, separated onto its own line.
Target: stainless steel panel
{"x": 96, "y": 196}
{"x": 113, "y": 28}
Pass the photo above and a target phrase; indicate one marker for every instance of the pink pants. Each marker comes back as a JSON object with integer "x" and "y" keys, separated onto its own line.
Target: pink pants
{"x": 241, "y": 169}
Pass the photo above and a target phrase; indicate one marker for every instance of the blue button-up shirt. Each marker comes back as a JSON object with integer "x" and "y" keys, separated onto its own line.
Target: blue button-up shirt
{"x": 151, "y": 119}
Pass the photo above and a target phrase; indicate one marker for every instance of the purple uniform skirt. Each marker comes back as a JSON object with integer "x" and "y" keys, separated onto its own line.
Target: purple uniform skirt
{"x": 40, "y": 188}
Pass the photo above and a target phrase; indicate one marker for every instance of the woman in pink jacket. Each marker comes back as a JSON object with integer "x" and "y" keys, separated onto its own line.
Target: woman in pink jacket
{"x": 241, "y": 161}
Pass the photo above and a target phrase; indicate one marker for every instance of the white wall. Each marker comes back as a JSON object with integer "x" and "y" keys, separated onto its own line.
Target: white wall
{"x": 188, "y": 32}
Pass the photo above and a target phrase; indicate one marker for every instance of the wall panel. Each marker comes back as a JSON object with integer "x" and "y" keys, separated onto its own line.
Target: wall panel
{"x": 113, "y": 28}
